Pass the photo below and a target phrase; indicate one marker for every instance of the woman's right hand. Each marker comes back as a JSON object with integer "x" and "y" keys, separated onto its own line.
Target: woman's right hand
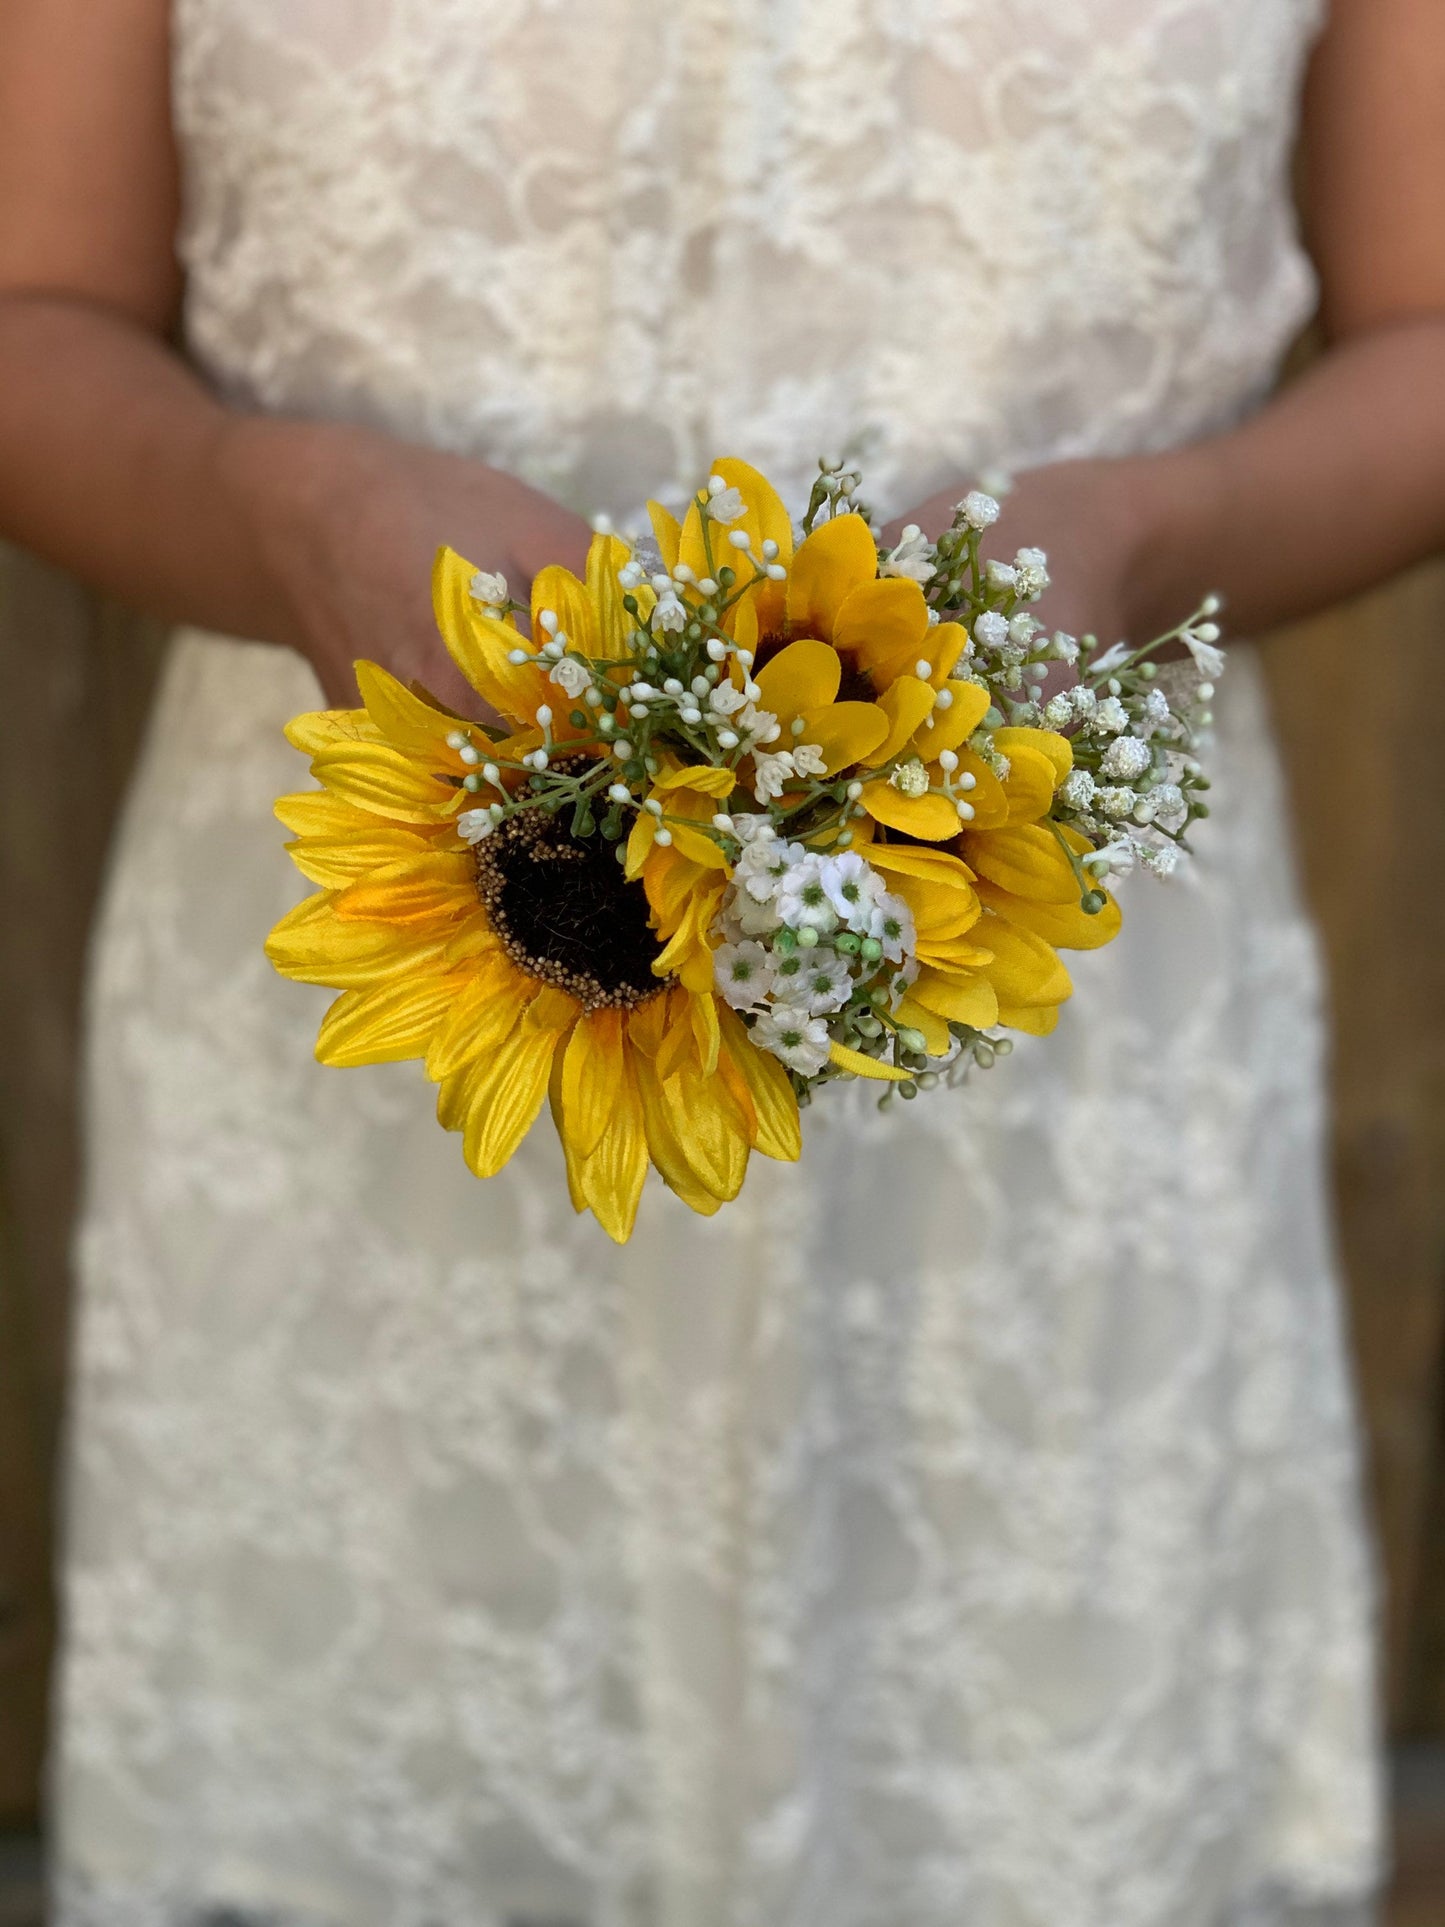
{"x": 346, "y": 524}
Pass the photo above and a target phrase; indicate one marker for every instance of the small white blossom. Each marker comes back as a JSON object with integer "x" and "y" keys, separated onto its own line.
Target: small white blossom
{"x": 1162, "y": 859}
{"x": 801, "y": 1042}
{"x": 823, "y": 984}
{"x": 1059, "y": 710}
{"x": 980, "y": 511}
{"x": 891, "y": 922}
{"x": 808, "y": 759}
{"x": 489, "y": 588}
{"x": 1117, "y": 801}
{"x": 803, "y": 901}
{"x": 913, "y": 558}
{"x": 1022, "y": 629}
{"x": 1208, "y": 660}
{"x": 1031, "y": 567}
{"x": 1126, "y": 757}
{"x": 1063, "y": 647}
{"x": 1111, "y": 658}
{"x": 1077, "y": 789}
{"x": 726, "y": 506}
{"x": 670, "y": 612}
{"x": 1001, "y": 575}
{"x": 1084, "y": 700}
{"x": 743, "y": 973}
{"x": 771, "y": 772}
{"x": 990, "y": 630}
{"x": 1110, "y": 717}
{"x": 852, "y": 885}
{"x": 759, "y": 726}
{"x": 573, "y": 678}
{"x": 910, "y": 778}
{"x": 749, "y": 829}
{"x": 1170, "y": 809}
{"x": 725, "y": 699}
{"x": 473, "y": 825}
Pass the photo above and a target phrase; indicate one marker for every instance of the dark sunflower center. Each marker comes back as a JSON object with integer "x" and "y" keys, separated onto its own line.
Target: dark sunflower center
{"x": 565, "y": 913}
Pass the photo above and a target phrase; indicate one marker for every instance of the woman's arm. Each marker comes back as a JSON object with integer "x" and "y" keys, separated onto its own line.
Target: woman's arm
{"x": 116, "y": 462}
{"x": 1340, "y": 480}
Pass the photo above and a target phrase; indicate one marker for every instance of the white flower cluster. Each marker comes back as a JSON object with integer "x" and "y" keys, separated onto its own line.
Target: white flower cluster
{"x": 806, "y": 936}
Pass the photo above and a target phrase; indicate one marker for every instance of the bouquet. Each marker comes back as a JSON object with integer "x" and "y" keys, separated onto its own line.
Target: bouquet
{"x": 767, "y": 807}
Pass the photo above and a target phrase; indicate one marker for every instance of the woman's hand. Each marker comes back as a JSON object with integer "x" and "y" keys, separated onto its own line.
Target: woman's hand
{"x": 1101, "y": 524}
{"x": 346, "y": 524}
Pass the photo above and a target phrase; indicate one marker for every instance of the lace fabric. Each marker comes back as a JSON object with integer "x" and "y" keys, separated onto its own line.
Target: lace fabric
{"x": 964, "y": 1525}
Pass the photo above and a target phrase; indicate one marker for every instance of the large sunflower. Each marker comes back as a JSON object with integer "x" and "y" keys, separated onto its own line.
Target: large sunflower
{"x": 524, "y": 966}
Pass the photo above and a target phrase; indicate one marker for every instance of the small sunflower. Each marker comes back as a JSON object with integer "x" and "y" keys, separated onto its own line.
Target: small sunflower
{"x": 515, "y": 958}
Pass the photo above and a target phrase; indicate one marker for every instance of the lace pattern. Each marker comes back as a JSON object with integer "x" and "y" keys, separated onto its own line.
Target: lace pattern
{"x": 915, "y": 1542}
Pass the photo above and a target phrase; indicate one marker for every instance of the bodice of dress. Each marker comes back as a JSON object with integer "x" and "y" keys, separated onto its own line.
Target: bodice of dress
{"x": 599, "y": 241}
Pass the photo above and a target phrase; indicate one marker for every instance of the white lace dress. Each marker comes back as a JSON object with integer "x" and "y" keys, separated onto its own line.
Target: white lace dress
{"x": 960, "y": 1531}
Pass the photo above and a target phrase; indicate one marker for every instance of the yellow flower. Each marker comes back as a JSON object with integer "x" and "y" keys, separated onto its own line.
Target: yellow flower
{"x": 525, "y": 967}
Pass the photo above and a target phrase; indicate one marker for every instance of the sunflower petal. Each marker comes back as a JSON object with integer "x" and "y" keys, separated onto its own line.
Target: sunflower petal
{"x": 837, "y": 558}
{"x": 613, "y": 1176}
{"x": 311, "y": 943}
{"x": 485, "y": 1010}
{"x": 778, "y": 1131}
{"x": 963, "y": 999}
{"x": 479, "y": 644}
{"x": 404, "y": 719}
{"x": 1026, "y": 971}
{"x": 322, "y": 729}
{"x": 337, "y": 861}
{"x": 883, "y": 626}
{"x": 1030, "y": 784}
{"x": 858, "y": 1064}
{"x": 1025, "y": 859}
{"x": 382, "y": 1026}
{"x": 592, "y": 1077}
{"x": 667, "y": 533}
{"x": 1042, "y": 742}
{"x": 937, "y": 1037}
{"x": 384, "y": 780}
{"x": 804, "y": 675}
{"x": 952, "y": 727}
{"x": 1064, "y": 925}
{"x": 932, "y": 817}
{"x": 907, "y": 703}
{"x": 506, "y": 1098}
{"x": 846, "y": 733}
{"x": 558, "y": 591}
{"x": 664, "y": 1142}
{"x": 711, "y": 1127}
{"x": 435, "y": 887}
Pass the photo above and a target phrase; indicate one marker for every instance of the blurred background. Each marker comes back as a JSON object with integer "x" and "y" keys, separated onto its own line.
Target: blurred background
{"x": 1363, "y": 754}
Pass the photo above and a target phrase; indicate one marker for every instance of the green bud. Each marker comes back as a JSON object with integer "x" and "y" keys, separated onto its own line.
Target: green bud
{"x": 578, "y": 719}
{"x": 808, "y": 937}
{"x": 1092, "y": 902}
{"x": 846, "y": 943}
{"x": 912, "y": 1040}
{"x": 907, "y": 1090}
{"x": 871, "y": 949}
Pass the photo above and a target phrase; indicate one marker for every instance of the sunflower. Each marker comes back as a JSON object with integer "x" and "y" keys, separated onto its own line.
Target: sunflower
{"x": 515, "y": 958}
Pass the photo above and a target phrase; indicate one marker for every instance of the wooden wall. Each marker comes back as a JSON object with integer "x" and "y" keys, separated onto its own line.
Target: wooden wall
{"x": 1360, "y": 698}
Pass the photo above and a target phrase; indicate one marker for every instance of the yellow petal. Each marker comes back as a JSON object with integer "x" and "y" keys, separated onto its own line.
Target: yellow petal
{"x": 336, "y": 861}
{"x": 640, "y": 840}
{"x": 382, "y": 1026}
{"x": 705, "y": 778}
{"x": 837, "y": 558}
{"x": 805, "y": 675}
{"x": 706, "y": 1035}
{"x": 711, "y": 1127}
{"x": 667, "y": 533}
{"x": 1064, "y": 925}
{"x": 487, "y": 1008}
{"x": 1037, "y": 1023}
{"x": 777, "y": 1131}
{"x": 946, "y": 643}
{"x": 962, "y": 998}
{"x": 883, "y": 627}
{"x": 764, "y": 517}
{"x": 938, "y": 867}
{"x": 385, "y": 781}
{"x": 907, "y": 703}
{"x": 556, "y": 589}
{"x": 1025, "y": 859}
{"x": 605, "y": 556}
{"x": 439, "y": 886}
{"x": 1029, "y": 785}
{"x": 322, "y": 729}
{"x": 952, "y": 727}
{"x": 592, "y": 1077}
{"x": 858, "y": 1065}
{"x": 953, "y": 953}
{"x": 846, "y": 733}
{"x": 932, "y": 817}
{"x": 612, "y": 1177}
{"x": 665, "y": 1144}
{"x": 1026, "y": 970}
{"x": 405, "y": 719}
{"x": 479, "y": 644}
{"x": 313, "y": 944}
{"x": 508, "y": 1094}
{"x": 1043, "y": 742}
{"x": 937, "y": 1037}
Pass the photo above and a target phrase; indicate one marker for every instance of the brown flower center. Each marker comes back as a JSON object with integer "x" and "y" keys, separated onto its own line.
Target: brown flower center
{"x": 565, "y": 913}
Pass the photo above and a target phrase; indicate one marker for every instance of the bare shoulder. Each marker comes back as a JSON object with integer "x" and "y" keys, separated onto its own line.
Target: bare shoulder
{"x": 88, "y": 174}
{"x": 1374, "y": 161}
